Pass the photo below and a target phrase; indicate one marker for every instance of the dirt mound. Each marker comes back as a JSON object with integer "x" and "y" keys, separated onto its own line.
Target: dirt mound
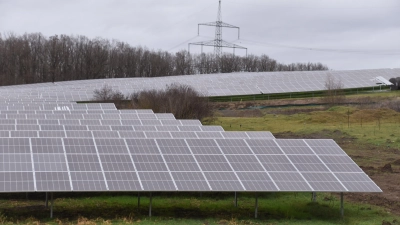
{"x": 387, "y": 168}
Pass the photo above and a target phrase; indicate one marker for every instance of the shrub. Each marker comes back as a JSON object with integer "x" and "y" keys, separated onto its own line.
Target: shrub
{"x": 181, "y": 100}
{"x": 334, "y": 93}
{"x": 106, "y": 93}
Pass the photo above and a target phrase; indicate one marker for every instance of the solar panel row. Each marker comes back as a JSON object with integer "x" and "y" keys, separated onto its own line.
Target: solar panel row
{"x": 95, "y": 147}
{"x": 207, "y": 84}
{"x": 77, "y": 131}
{"x": 79, "y": 164}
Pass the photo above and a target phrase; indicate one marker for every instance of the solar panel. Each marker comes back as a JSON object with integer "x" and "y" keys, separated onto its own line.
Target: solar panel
{"x": 16, "y": 116}
{"x": 126, "y": 116}
{"x": 121, "y": 128}
{"x": 207, "y": 135}
{"x": 212, "y": 128}
{"x": 157, "y": 134}
{"x": 131, "y": 122}
{"x": 99, "y": 128}
{"x": 23, "y": 133}
{"x": 151, "y": 122}
{"x": 183, "y": 134}
{"x": 45, "y": 127}
{"x": 93, "y": 116}
{"x": 167, "y": 128}
{"x": 171, "y": 122}
{"x": 132, "y": 134}
{"x": 73, "y": 117}
{"x": 78, "y": 134}
{"x": 259, "y": 134}
{"x": 189, "y": 128}
{"x": 110, "y": 122}
{"x": 165, "y": 116}
{"x": 69, "y": 122}
{"x": 48, "y": 122}
{"x": 7, "y": 127}
{"x": 234, "y": 135}
{"x": 4, "y": 133}
{"x": 191, "y": 123}
{"x": 16, "y": 169}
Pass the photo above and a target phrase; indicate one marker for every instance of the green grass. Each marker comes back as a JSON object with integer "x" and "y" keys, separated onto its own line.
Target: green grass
{"x": 378, "y": 126}
{"x": 191, "y": 208}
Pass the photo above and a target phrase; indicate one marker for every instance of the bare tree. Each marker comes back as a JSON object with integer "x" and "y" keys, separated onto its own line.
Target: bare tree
{"x": 334, "y": 93}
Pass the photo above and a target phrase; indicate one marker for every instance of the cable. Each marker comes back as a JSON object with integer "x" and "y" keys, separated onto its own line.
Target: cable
{"x": 313, "y": 8}
{"x": 182, "y": 43}
{"x": 367, "y": 51}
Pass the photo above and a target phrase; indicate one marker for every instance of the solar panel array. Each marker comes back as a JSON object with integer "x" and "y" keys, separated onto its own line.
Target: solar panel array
{"x": 49, "y": 144}
{"x": 98, "y": 148}
{"x": 208, "y": 84}
{"x": 127, "y": 164}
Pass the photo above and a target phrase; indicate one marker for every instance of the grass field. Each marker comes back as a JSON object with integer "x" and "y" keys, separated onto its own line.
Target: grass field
{"x": 377, "y": 126}
{"x": 191, "y": 208}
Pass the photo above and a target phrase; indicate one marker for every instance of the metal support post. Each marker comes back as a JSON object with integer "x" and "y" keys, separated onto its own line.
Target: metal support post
{"x": 314, "y": 197}
{"x": 138, "y": 200}
{"x": 47, "y": 200}
{"x": 51, "y": 205}
{"x": 256, "y": 207}
{"x": 341, "y": 205}
{"x": 151, "y": 200}
{"x": 235, "y": 199}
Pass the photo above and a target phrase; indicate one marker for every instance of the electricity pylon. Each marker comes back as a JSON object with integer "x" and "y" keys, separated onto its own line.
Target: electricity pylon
{"x": 218, "y": 43}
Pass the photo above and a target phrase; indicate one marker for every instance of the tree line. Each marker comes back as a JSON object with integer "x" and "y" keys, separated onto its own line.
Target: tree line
{"x": 34, "y": 58}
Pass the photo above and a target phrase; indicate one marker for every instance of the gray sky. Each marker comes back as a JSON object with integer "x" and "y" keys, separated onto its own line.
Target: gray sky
{"x": 343, "y": 34}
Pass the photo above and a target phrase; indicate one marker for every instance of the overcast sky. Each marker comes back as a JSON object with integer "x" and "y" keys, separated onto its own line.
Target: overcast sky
{"x": 343, "y": 34}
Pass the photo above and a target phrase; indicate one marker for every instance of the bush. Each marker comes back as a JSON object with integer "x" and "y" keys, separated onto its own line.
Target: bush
{"x": 181, "y": 100}
{"x": 106, "y": 93}
{"x": 395, "y": 82}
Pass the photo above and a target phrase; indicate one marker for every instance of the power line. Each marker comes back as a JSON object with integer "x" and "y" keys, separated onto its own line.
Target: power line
{"x": 313, "y": 8}
{"x": 182, "y": 43}
{"x": 358, "y": 51}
